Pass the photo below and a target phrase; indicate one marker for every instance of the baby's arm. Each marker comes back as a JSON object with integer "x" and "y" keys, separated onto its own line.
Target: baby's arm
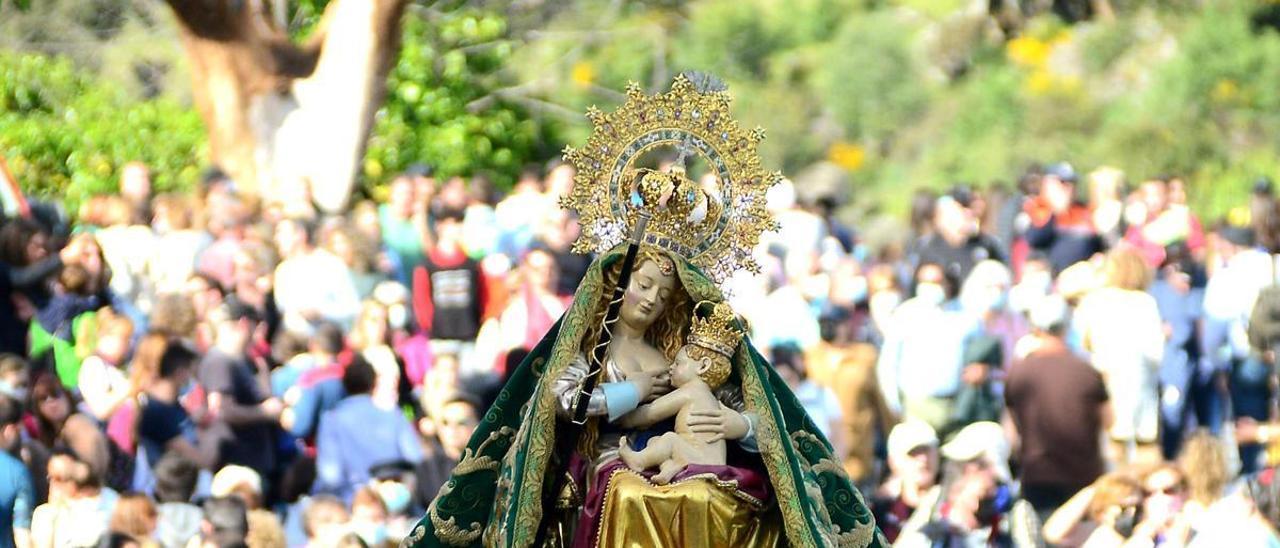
{"x": 664, "y": 407}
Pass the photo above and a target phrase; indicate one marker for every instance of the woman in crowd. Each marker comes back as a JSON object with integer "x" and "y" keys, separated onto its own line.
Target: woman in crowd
{"x": 1121, "y": 328}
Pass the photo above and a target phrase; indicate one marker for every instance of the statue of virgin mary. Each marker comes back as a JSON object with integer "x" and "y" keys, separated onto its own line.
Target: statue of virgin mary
{"x": 781, "y": 484}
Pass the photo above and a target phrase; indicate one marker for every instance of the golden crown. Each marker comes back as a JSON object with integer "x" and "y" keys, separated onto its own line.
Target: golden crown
{"x": 717, "y": 331}
{"x": 714, "y": 225}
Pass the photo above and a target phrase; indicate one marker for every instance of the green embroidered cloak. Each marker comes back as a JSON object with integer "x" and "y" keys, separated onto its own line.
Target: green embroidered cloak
{"x": 493, "y": 497}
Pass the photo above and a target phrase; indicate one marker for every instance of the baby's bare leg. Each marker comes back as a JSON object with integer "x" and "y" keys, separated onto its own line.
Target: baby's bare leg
{"x": 658, "y": 450}
{"x": 668, "y": 470}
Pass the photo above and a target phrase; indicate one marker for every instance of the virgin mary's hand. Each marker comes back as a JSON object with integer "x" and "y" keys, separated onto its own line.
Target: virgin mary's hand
{"x": 723, "y": 424}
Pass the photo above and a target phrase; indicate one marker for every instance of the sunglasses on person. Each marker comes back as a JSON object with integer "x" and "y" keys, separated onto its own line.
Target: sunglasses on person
{"x": 1168, "y": 490}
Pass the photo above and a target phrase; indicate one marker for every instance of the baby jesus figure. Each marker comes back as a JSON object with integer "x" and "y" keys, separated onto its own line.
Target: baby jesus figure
{"x": 700, "y": 366}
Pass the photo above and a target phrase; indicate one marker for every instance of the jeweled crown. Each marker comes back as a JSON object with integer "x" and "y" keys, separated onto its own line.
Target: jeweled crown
{"x": 717, "y": 330}
{"x": 715, "y": 222}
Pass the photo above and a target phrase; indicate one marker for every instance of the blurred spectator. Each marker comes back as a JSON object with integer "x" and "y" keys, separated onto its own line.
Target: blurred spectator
{"x": 1121, "y": 327}
{"x": 1059, "y": 407}
{"x": 1229, "y": 298}
{"x": 921, "y": 363}
{"x": 517, "y": 214}
{"x": 850, "y": 371}
{"x": 238, "y": 393}
{"x": 358, "y": 434}
{"x": 54, "y": 424}
{"x": 178, "y": 520}
{"x": 79, "y": 508}
{"x": 1058, "y": 226}
{"x": 985, "y": 293}
{"x": 135, "y": 516}
{"x": 369, "y": 517}
{"x": 909, "y": 495}
{"x": 1102, "y": 514}
{"x": 448, "y": 290}
{"x": 311, "y": 284}
{"x": 225, "y": 524}
{"x": 1179, "y": 293}
{"x": 1165, "y": 223}
{"x": 446, "y": 432}
{"x": 103, "y": 383}
{"x": 977, "y": 504}
{"x": 955, "y": 242}
{"x": 402, "y": 230}
{"x": 819, "y": 402}
{"x": 1161, "y": 517}
{"x": 1106, "y": 186}
{"x": 164, "y": 425}
{"x": 17, "y": 492}
{"x": 135, "y": 187}
{"x": 325, "y": 521}
{"x": 535, "y": 307}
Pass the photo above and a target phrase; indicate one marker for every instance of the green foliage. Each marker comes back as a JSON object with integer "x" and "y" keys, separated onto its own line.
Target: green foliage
{"x": 445, "y": 106}
{"x": 66, "y": 134}
{"x": 871, "y": 80}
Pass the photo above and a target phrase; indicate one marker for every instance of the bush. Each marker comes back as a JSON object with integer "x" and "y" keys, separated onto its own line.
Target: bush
{"x": 66, "y": 134}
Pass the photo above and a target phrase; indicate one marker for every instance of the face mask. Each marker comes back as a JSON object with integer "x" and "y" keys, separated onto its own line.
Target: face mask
{"x": 397, "y": 316}
{"x": 16, "y": 392}
{"x": 883, "y": 304}
{"x": 931, "y": 293}
{"x": 858, "y": 289}
{"x": 396, "y": 496}
{"x": 987, "y": 300}
{"x": 373, "y": 534}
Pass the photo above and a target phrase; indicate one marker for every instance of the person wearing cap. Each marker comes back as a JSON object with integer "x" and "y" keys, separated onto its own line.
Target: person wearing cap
{"x": 1229, "y": 362}
{"x": 977, "y": 505}
{"x": 1059, "y": 408}
{"x": 1057, "y": 225}
{"x": 912, "y": 488}
{"x": 956, "y": 242}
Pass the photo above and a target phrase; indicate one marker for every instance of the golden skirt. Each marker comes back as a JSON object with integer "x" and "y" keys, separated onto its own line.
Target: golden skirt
{"x": 697, "y": 511}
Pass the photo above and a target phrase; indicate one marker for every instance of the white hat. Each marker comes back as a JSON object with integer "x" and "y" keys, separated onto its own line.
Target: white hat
{"x": 232, "y": 476}
{"x": 981, "y": 440}
{"x": 909, "y": 435}
{"x": 1049, "y": 313}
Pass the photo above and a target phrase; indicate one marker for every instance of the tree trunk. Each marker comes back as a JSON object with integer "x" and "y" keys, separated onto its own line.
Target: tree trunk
{"x": 287, "y": 118}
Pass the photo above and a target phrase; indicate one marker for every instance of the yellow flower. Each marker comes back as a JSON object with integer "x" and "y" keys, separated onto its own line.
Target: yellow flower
{"x": 1239, "y": 216}
{"x": 582, "y": 74}
{"x": 1225, "y": 91}
{"x": 846, "y": 155}
{"x": 1028, "y": 51}
{"x": 1040, "y": 82}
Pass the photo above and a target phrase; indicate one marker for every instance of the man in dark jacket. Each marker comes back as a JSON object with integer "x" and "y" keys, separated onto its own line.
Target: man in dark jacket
{"x": 1060, "y": 227}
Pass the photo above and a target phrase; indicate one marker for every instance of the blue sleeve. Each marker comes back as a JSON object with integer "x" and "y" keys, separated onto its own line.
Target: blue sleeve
{"x": 24, "y": 504}
{"x": 304, "y": 412}
{"x": 410, "y": 447}
{"x": 328, "y": 461}
{"x": 620, "y": 398}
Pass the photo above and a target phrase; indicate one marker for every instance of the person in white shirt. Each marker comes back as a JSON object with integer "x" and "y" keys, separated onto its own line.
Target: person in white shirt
{"x": 311, "y": 284}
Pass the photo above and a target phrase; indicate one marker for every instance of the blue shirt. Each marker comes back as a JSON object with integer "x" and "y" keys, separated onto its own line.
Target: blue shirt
{"x": 356, "y": 436}
{"x": 923, "y": 351}
{"x": 17, "y": 498}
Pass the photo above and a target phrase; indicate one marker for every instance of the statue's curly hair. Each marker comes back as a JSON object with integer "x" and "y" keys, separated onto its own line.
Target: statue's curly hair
{"x": 668, "y": 332}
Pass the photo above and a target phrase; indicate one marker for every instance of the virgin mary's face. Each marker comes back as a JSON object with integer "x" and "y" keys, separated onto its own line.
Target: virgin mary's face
{"x": 647, "y": 296}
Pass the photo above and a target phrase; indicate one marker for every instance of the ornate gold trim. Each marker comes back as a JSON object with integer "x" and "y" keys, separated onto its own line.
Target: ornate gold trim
{"x": 715, "y": 228}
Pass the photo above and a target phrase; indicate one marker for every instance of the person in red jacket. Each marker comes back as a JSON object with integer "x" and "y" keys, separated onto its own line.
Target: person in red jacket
{"x": 449, "y": 292}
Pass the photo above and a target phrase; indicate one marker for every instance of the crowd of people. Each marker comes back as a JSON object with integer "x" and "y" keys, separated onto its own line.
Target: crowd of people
{"x": 1065, "y": 362}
